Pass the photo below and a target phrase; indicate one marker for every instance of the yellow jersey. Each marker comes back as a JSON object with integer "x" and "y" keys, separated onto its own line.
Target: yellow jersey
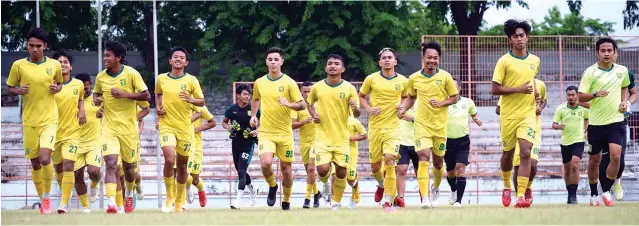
{"x": 307, "y": 131}
{"x": 206, "y": 115}
{"x": 67, "y": 101}
{"x": 511, "y": 72}
{"x": 38, "y": 106}
{"x": 407, "y": 129}
{"x": 386, "y": 93}
{"x": 119, "y": 116}
{"x": 276, "y": 119}
{"x": 439, "y": 86}
{"x": 541, "y": 89}
{"x": 91, "y": 130}
{"x": 178, "y": 112}
{"x": 333, "y": 110}
{"x": 355, "y": 127}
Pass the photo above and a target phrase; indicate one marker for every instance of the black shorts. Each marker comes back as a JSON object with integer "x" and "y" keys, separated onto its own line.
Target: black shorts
{"x": 568, "y": 151}
{"x": 456, "y": 152}
{"x": 407, "y": 154}
{"x": 600, "y": 136}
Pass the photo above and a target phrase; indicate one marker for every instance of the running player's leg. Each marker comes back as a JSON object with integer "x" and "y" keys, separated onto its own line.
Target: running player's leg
{"x": 243, "y": 163}
{"x": 80, "y": 186}
{"x": 451, "y": 173}
{"x": 352, "y": 177}
{"x": 402, "y": 169}
{"x": 284, "y": 152}
{"x": 167, "y": 143}
{"x": 311, "y": 187}
{"x": 196, "y": 163}
{"x": 311, "y": 170}
{"x": 461, "y": 161}
{"x": 509, "y": 143}
{"x": 129, "y": 146}
{"x": 111, "y": 155}
{"x": 138, "y": 176}
{"x": 525, "y": 132}
{"x": 390, "y": 149}
{"x": 39, "y": 144}
{"x": 617, "y": 187}
{"x": 266, "y": 152}
{"x": 439, "y": 150}
{"x": 613, "y": 137}
{"x": 68, "y": 152}
{"x": 237, "y": 151}
{"x": 424, "y": 148}
{"x": 119, "y": 190}
{"x": 183, "y": 150}
{"x": 376, "y": 156}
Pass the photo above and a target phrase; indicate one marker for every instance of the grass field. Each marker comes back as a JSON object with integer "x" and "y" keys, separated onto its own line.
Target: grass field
{"x": 623, "y": 213}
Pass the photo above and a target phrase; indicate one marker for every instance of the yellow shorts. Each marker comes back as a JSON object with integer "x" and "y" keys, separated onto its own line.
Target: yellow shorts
{"x": 195, "y": 161}
{"x": 305, "y": 151}
{"x": 534, "y": 153}
{"x": 183, "y": 142}
{"x": 65, "y": 149}
{"x": 351, "y": 172}
{"x": 125, "y": 146}
{"x": 37, "y": 137}
{"x": 338, "y": 154}
{"x": 437, "y": 144}
{"x": 280, "y": 145}
{"x": 88, "y": 154}
{"x": 381, "y": 142}
{"x": 514, "y": 129}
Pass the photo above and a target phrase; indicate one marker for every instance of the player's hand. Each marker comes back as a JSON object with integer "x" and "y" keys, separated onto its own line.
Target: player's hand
{"x": 623, "y": 107}
{"x": 436, "y": 103}
{"x": 254, "y": 122}
{"x": 538, "y": 111}
{"x": 283, "y": 101}
{"x": 352, "y": 103}
{"x": 185, "y": 96}
{"x": 117, "y": 93}
{"x": 253, "y": 133}
{"x": 400, "y": 111}
{"x": 82, "y": 118}
{"x": 53, "y": 88}
{"x": 316, "y": 119}
{"x": 352, "y": 139}
{"x": 526, "y": 88}
{"x": 602, "y": 93}
{"x": 477, "y": 121}
{"x": 160, "y": 111}
{"x": 374, "y": 111}
{"x": 537, "y": 99}
{"x": 586, "y": 134}
{"x": 561, "y": 127}
{"x": 25, "y": 89}
{"x": 99, "y": 113}
{"x": 308, "y": 120}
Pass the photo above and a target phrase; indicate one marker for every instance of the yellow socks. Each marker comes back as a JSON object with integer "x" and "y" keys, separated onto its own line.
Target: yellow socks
{"x": 168, "y": 185}
{"x": 530, "y": 182}
{"x": 309, "y": 189}
{"x": 58, "y": 178}
{"x": 287, "y": 194}
{"x": 180, "y": 196}
{"x": 438, "y": 174}
{"x": 522, "y": 184}
{"x": 271, "y": 180}
{"x": 68, "y": 180}
{"x": 47, "y": 175}
{"x": 506, "y": 176}
{"x": 189, "y": 181}
{"x": 315, "y": 190}
{"x": 423, "y": 177}
{"x": 119, "y": 200}
{"x": 389, "y": 182}
{"x": 324, "y": 179}
{"x": 94, "y": 184}
{"x": 130, "y": 186}
{"x": 36, "y": 176}
{"x": 84, "y": 200}
{"x": 200, "y": 185}
{"x": 379, "y": 176}
{"x": 338, "y": 189}
{"x": 110, "y": 189}
{"x": 355, "y": 196}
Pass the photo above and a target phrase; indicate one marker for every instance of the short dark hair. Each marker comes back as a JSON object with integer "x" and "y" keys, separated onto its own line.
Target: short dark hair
{"x": 307, "y": 83}
{"x": 180, "y": 49}
{"x": 379, "y": 56}
{"x": 275, "y": 50}
{"x": 431, "y": 45}
{"x": 337, "y": 57}
{"x": 64, "y": 53}
{"x": 606, "y": 40}
{"x": 39, "y": 34}
{"x": 572, "y": 88}
{"x": 241, "y": 88}
{"x": 117, "y": 49}
{"x": 84, "y": 77}
{"x": 510, "y": 26}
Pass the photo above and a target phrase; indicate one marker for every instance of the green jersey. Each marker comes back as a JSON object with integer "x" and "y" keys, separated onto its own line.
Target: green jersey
{"x": 573, "y": 121}
{"x": 605, "y": 110}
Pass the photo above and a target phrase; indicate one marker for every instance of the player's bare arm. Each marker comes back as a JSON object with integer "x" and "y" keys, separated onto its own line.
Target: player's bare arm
{"x": 497, "y": 110}
{"x": 298, "y": 124}
{"x": 189, "y": 99}
{"x": 196, "y": 116}
{"x": 542, "y": 106}
{"x": 451, "y": 100}
{"x": 82, "y": 118}
{"x": 633, "y": 95}
{"x": 55, "y": 87}
{"x": 353, "y": 104}
{"x": 408, "y": 117}
{"x": 359, "y": 137}
{"x": 557, "y": 126}
{"x": 364, "y": 102}
{"x": 143, "y": 113}
{"x": 17, "y": 90}
{"x": 225, "y": 123}
{"x": 255, "y": 105}
{"x": 406, "y": 104}
{"x": 158, "y": 102}
{"x": 97, "y": 99}
{"x": 476, "y": 119}
{"x": 311, "y": 110}
{"x": 624, "y": 100}
{"x": 585, "y": 97}
{"x": 209, "y": 125}
{"x": 498, "y": 89}
{"x": 297, "y": 106}
{"x": 141, "y": 96}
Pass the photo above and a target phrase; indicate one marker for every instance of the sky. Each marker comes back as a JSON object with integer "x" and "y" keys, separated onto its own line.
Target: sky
{"x": 606, "y": 10}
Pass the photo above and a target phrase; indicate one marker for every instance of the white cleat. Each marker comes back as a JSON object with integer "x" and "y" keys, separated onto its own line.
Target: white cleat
{"x": 253, "y": 196}
{"x": 618, "y": 190}
{"x": 426, "y": 203}
{"x": 353, "y": 204}
{"x": 93, "y": 194}
{"x": 167, "y": 208}
{"x": 457, "y": 204}
{"x": 64, "y": 209}
{"x": 139, "y": 193}
{"x": 335, "y": 206}
{"x": 594, "y": 201}
{"x": 452, "y": 198}
{"x": 434, "y": 201}
{"x": 120, "y": 210}
{"x": 190, "y": 196}
{"x": 235, "y": 205}
{"x": 86, "y": 210}
{"x": 327, "y": 193}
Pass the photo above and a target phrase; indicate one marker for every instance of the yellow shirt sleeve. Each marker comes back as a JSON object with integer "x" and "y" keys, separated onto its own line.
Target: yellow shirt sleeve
{"x": 354, "y": 95}
{"x": 256, "y": 90}
{"x": 14, "y": 75}
{"x": 294, "y": 91}
{"x": 294, "y": 115}
{"x": 143, "y": 104}
{"x": 97, "y": 88}
{"x": 586, "y": 113}
{"x": 405, "y": 90}
{"x": 409, "y": 87}
{"x": 312, "y": 97}
{"x": 542, "y": 90}
{"x": 366, "y": 86}
{"x": 158, "y": 85}
{"x": 206, "y": 114}
{"x": 58, "y": 73}
{"x": 500, "y": 71}
{"x": 197, "y": 89}
{"x": 451, "y": 89}
{"x": 359, "y": 128}
{"x": 138, "y": 83}
{"x": 557, "y": 117}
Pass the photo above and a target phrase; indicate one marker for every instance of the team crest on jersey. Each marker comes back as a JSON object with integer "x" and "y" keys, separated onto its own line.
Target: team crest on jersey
{"x": 619, "y": 75}
{"x": 75, "y": 91}
{"x": 342, "y": 95}
{"x": 183, "y": 87}
{"x": 439, "y": 82}
{"x": 398, "y": 87}
{"x": 49, "y": 71}
{"x": 281, "y": 88}
{"x": 249, "y": 113}
{"x": 533, "y": 67}
{"x": 123, "y": 82}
